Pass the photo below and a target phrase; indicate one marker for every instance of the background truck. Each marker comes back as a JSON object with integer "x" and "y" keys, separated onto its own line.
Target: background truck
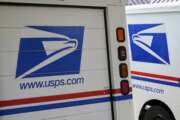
{"x": 154, "y": 38}
{"x": 64, "y": 60}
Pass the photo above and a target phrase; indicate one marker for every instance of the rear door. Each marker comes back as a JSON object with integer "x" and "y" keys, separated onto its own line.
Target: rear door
{"x": 54, "y": 63}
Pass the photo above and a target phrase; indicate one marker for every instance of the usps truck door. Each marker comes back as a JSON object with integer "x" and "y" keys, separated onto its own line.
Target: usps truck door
{"x": 54, "y": 63}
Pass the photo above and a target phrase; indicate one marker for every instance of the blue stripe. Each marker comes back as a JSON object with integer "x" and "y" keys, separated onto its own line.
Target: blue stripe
{"x": 61, "y": 105}
{"x": 120, "y": 98}
{"x": 156, "y": 81}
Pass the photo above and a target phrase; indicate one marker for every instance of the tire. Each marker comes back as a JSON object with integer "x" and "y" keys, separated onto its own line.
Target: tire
{"x": 156, "y": 113}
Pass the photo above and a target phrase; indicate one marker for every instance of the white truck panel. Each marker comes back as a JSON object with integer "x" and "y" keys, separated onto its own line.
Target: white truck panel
{"x": 163, "y": 78}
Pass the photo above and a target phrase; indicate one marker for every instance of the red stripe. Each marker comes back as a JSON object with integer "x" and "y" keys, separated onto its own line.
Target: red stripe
{"x": 116, "y": 91}
{"x": 56, "y": 97}
{"x": 155, "y": 75}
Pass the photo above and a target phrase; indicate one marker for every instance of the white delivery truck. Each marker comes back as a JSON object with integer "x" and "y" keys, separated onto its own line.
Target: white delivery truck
{"x": 64, "y": 60}
{"x": 155, "y": 39}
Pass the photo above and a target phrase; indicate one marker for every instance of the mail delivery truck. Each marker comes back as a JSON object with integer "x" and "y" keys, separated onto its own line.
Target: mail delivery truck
{"x": 64, "y": 60}
{"x": 155, "y": 39}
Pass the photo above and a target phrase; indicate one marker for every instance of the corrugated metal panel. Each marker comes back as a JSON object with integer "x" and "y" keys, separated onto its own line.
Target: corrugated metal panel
{"x": 137, "y": 2}
{"x": 163, "y": 1}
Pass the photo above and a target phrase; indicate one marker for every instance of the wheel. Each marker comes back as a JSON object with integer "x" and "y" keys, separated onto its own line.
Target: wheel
{"x": 156, "y": 113}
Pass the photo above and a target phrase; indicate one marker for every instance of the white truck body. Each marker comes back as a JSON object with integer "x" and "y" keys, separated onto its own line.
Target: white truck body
{"x": 154, "y": 37}
{"x": 59, "y": 60}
